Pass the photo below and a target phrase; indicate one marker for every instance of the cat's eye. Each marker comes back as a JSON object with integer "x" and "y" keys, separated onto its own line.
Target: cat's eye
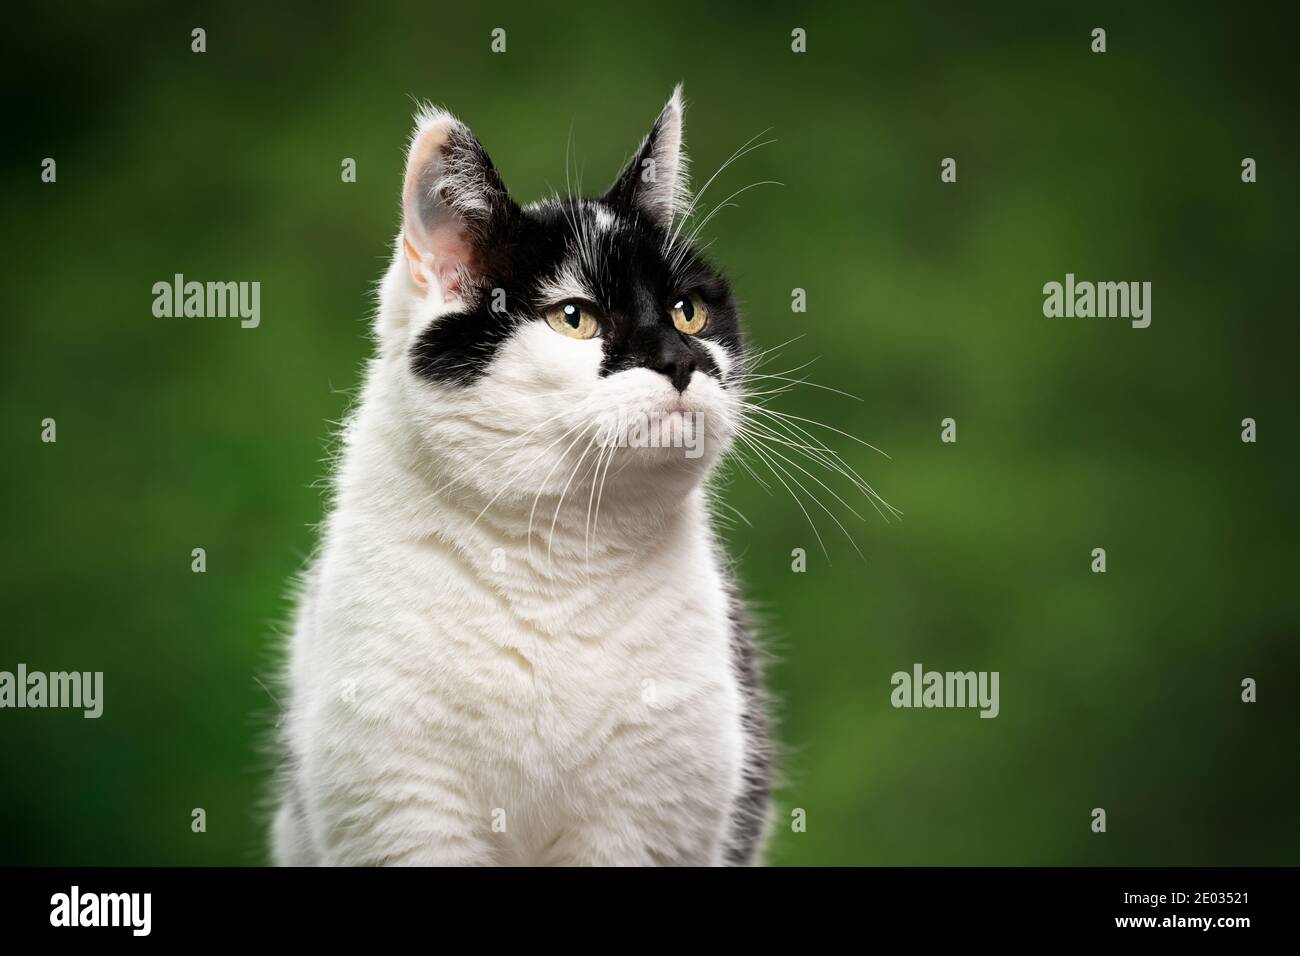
{"x": 573, "y": 319}
{"x": 690, "y": 315}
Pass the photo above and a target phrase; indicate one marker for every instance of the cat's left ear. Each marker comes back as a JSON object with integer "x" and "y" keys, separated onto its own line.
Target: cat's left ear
{"x": 655, "y": 182}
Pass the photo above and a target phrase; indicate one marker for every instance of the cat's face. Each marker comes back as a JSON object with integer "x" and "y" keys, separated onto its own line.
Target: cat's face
{"x": 548, "y": 346}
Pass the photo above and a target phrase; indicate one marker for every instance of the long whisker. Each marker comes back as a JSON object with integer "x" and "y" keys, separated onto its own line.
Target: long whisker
{"x": 776, "y": 430}
{"x": 772, "y": 411}
{"x": 595, "y": 527}
{"x": 542, "y": 485}
{"x": 690, "y": 209}
{"x": 829, "y": 458}
{"x": 801, "y": 381}
{"x": 756, "y": 360}
{"x": 510, "y": 483}
{"x": 813, "y": 477}
{"x": 762, "y": 456}
{"x": 591, "y": 497}
{"x": 501, "y": 447}
{"x": 725, "y": 204}
{"x": 550, "y": 541}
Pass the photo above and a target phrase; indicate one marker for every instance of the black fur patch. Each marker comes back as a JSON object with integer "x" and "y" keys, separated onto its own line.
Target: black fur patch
{"x": 633, "y": 283}
{"x": 753, "y": 810}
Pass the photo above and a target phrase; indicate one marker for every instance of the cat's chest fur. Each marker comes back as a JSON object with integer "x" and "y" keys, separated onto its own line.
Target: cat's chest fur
{"x": 438, "y": 659}
{"x": 542, "y": 654}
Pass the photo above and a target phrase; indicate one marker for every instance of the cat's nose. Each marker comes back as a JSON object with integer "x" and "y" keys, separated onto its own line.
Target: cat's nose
{"x": 677, "y": 365}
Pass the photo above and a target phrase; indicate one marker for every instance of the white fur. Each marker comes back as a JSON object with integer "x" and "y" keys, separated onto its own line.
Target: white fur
{"x": 463, "y": 692}
{"x": 569, "y": 283}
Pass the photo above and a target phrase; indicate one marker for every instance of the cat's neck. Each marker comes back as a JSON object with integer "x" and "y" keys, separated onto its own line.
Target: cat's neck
{"x": 389, "y": 490}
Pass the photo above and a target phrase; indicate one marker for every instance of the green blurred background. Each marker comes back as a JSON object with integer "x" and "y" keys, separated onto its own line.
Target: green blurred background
{"x": 1119, "y": 691}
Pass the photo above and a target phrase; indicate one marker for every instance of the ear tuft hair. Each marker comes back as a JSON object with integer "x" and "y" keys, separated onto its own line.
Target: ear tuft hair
{"x": 656, "y": 181}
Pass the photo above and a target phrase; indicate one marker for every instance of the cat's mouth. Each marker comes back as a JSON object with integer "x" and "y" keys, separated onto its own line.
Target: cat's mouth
{"x": 659, "y": 432}
{"x": 675, "y": 406}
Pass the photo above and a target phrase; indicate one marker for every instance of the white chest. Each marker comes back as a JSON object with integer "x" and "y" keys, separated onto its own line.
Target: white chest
{"x": 546, "y": 699}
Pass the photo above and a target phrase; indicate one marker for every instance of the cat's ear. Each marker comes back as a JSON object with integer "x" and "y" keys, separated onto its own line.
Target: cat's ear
{"x": 655, "y": 182}
{"x": 453, "y": 204}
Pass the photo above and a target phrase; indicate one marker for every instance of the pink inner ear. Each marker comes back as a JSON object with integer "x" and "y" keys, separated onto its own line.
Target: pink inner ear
{"x": 438, "y": 239}
{"x": 451, "y": 258}
{"x": 435, "y": 235}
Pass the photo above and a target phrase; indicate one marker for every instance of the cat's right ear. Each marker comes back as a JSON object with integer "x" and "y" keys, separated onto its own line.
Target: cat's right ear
{"x": 453, "y": 203}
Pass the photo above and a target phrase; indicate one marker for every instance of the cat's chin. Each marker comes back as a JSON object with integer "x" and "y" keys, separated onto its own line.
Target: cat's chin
{"x": 664, "y": 458}
{"x": 673, "y": 433}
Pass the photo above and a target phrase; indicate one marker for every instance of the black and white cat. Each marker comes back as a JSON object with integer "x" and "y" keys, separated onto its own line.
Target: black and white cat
{"x": 519, "y": 643}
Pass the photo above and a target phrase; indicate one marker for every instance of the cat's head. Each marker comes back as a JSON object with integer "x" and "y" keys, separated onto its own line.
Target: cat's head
{"x": 540, "y": 343}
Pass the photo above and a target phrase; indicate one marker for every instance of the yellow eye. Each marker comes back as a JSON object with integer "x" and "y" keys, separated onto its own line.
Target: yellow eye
{"x": 573, "y": 320}
{"x": 690, "y": 315}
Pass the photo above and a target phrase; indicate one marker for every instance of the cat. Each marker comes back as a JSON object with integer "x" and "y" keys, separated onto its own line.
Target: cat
{"x": 520, "y": 642}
